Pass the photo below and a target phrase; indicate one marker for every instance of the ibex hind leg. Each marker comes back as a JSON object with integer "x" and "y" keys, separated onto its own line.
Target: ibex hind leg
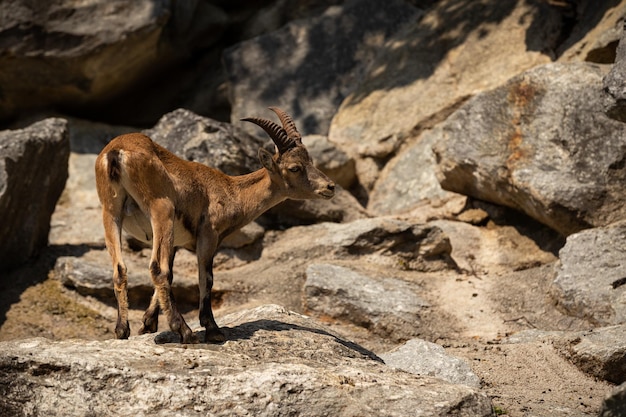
{"x": 113, "y": 230}
{"x": 151, "y": 316}
{"x": 162, "y": 218}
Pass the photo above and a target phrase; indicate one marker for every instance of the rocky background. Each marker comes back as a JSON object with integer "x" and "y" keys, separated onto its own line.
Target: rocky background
{"x": 472, "y": 263}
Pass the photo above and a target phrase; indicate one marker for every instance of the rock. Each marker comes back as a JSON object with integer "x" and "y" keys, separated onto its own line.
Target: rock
{"x": 590, "y": 278}
{"x": 33, "y": 171}
{"x": 342, "y": 208}
{"x": 76, "y": 55}
{"x": 274, "y": 363}
{"x": 209, "y": 142}
{"x": 381, "y": 241}
{"x": 247, "y": 235}
{"x": 388, "y": 307}
{"x": 308, "y": 66}
{"x": 540, "y": 144}
{"x": 614, "y": 82}
{"x": 614, "y": 404}
{"x": 600, "y": 352}
{"x": 596, "y": 32}
{"x": 429, "y": 359}
{"x": 426, "y": 71}
{"x": 408, "y": 181}
{"x": 483, "y": 250}
{"x": 331, "y": 160}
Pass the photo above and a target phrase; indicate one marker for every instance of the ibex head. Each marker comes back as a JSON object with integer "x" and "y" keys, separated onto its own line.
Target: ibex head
{"x": 291, "y": 165}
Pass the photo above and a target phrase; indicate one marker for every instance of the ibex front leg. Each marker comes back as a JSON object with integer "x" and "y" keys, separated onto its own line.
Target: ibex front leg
{"x": 205, "y": 250}
{"x": 162, "y": 220}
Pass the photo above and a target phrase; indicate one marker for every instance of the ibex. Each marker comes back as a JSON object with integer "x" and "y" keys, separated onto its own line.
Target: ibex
{"x": 171, "y": 203}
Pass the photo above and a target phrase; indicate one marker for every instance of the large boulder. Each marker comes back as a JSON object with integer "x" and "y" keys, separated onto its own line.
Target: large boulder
{"x": 540, "y": 144}
{"x": 274, "y": 363}
{"x": 454, "y": 51}
{"x": 72, "y": 54}
{"x": 590, "y": 277}
{"x": 310, "y": 65}
{"x": 33, "y": 171}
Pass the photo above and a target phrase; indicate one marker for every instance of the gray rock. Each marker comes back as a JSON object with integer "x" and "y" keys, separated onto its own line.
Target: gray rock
{"x": 382, "y": 241}
{"x": 590, "y": 277}
{"x": 274, "y": 363}
{"x": 541, "y": 144}
{"x": 408, "y": 181}
{"x": 309, "y": 66}
{"x": 427, "y": 70}
{"x": 601, "y": 352}
{"x": 420, "y": 357}
{"x": 33, "y": 171}
{"x": 388, "y": 307}
{"x": 614, "y": 404}
{"x": 73, "y": 54}
{"x": 209, "y": 142}
{"x": 615, "y": 81}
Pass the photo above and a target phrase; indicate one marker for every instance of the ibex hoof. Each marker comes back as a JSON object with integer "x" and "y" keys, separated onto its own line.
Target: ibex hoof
{"x": 214, "y": 336}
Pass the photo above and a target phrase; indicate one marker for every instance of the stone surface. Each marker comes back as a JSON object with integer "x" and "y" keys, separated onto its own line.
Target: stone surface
{"x": 590, "y": 276}
{"x": 74, "y": 54}
{"x": 408, "y": 181}
{"x": 33, "y": 171}
{"x": 209, "y": 142}
{"x": 541, "y": 144}
{"x": 424, "y": 72}
{"x": 387, "y": 306}
{"x": 600, "y": 352}
{"x": 420, "y": 357}
{"x": 615, "y": 81}
{"x": 614, "y": 404}
{"x": 381, "y": 241}
{"x": 274, "y": 363}
{"x": 308, "y": 66}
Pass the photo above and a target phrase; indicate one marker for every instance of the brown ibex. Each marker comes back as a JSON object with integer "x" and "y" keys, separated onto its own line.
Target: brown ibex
{"x": 171, "y": 203}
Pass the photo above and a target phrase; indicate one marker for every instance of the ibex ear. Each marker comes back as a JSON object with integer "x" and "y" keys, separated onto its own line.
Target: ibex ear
{"x": 267, "y": 160}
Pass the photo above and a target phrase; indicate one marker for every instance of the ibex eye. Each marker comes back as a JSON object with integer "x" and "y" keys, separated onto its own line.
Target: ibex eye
{"x": 294, "y": 169}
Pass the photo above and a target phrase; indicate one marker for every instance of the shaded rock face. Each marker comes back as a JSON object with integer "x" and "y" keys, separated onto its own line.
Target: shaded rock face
{"x": 68, "y": 54}
{"x": 541, "y": 144}
{"x": 615, "y": 81}
{"x": 33, "y": 171}
{"x": 429, "y": 69}
{"x": 310, "y": 82}
{"x": 216, "y": 144}
{"x": 274, "y": 363}
{"x": 590, "y": 276}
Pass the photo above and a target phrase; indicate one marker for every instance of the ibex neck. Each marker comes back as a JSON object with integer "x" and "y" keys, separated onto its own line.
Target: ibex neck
{"x": 257, "y": 194}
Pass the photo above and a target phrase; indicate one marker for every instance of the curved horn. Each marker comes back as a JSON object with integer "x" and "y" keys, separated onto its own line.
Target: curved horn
{"x": 288, "y": 124}
{"x": 277, "y": 133}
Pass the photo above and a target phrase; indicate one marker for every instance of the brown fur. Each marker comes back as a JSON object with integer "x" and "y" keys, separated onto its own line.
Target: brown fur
{"x": 168, "y": 202}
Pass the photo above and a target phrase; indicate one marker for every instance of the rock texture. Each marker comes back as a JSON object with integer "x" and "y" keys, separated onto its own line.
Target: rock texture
{"x": 33, "y": 171}
{"x": 590, "y": 277}
{"x": 541, "y": 144}
{"x": 310, "y": 65}
{"x": 427, "y": 70}
{"x": 386, "y": 306}
{"x": 429, "y": 359}
{"x": 274, "y": 363}
{"x": 71, "y": 55}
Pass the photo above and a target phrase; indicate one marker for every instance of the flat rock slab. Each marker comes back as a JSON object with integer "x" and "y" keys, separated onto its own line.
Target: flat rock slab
{"x": 387, "y": 306}
{"x": 590, "y": 279}
{"x": 274, "y": 363}
{"x": 421, "y": 357}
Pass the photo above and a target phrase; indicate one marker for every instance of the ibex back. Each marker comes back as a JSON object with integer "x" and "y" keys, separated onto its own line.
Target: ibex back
{"x": 170, "y": 203}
